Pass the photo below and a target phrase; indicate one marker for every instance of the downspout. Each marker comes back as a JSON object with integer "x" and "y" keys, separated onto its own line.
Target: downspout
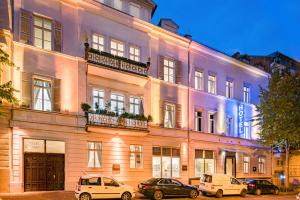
{"x": 188, "y": 103}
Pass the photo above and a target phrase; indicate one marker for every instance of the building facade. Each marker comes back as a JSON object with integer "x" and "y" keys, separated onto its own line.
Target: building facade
{"x": 162, "y": 105}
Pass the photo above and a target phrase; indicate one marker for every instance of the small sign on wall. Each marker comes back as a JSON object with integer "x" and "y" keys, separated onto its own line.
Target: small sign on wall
{"x": 254, "y": 169}
{"x": 116, "y": 167}
{"x": 184, "y": 167}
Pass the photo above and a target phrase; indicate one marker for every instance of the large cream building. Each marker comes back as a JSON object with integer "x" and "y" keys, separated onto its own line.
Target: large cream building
{"x": 109, "y": 55}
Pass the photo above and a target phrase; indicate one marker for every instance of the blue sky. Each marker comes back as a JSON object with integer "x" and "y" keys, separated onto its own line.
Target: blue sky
{"x": 255, "y": 27}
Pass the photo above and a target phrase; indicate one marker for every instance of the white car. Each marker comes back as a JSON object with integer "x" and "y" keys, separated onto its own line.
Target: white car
{"x": 101, "y": 187}
{"x": 221, "y": 184}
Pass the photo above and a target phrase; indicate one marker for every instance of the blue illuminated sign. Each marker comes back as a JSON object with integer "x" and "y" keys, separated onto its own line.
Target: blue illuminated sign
{"x": 241, "y": 119}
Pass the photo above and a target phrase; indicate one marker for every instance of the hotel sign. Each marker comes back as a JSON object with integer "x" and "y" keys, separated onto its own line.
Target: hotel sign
{"x": 241, "y": 119}
{"x": 114, "y": 62}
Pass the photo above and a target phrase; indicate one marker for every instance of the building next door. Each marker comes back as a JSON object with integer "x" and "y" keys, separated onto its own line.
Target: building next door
{"x": 44, "y": 170}
{"x": 230, "y": 164}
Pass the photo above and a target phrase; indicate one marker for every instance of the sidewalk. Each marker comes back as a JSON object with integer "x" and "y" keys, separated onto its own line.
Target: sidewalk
{"x": 51, "y": 195}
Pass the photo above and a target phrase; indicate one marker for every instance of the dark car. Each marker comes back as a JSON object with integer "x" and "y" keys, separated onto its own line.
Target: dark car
{"x": 259, "y": 187}
{"x": 158, "y": 188}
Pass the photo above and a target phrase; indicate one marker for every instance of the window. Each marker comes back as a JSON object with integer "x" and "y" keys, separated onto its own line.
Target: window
{"x": 212, "y": 84}
{"x": 42, "y": 32}
{"x": 199, "y": 80}
{"x": 261, "y": 165}
{"x": 117, "y": 48}
{"x": 110, "y": 182}
{"x": 134, "y": 10}
{"x": 229, "y": 125}
{"x": 204, "y": 162}
{"x": 211, "y": 123}
{"x": 165, "y": 162}
{"x": 169, "y": 68}
{"x": 98, "y": 42}
{"x": 229, "y": 89}
{"x": 94, "y": 154}
{"x": 98, "y": 99}
{"x": 247, "y": 130}
{"x": 42, "y": 99}
{"x": 135, "y": 104}
{"x": 198, "y": 121}
{"x": 246, "y": 94}
{"x": 118, "y": 4}
{"x": 135, "y": 156}
{"x": 134, "y": 53}
{"x": 169, "y": 120}
{"x": 246, "y": 164}
{"x": 117, "y": 103}
{"x": 234, "y": 181}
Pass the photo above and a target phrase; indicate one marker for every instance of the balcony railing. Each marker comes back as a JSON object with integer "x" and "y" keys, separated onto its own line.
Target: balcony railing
{"x": 114, "y": 121}
{"x": 116, "y": 62}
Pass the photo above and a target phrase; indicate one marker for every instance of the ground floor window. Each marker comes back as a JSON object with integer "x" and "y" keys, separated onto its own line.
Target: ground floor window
{"x": 261, "y": 165}
{"x": 165, "y": 162}
{"x": 246, "y": 164}
{"x": 94, "y": 154}
{"x": 204, "y": 162}
{"x": 135, "y": 156}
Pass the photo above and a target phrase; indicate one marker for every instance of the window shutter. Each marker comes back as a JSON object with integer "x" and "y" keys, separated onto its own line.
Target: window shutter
{"x": 162, "y": 113}
{"x": 57, "y": 36}
{"x": 178, "y": 71}
{"x": 178, "y": 116}
{"x": 56, "y": 95}
{"x": 27, "y": 89}
{"x": 25, "y": 28}
{"x": 161, "y": 67}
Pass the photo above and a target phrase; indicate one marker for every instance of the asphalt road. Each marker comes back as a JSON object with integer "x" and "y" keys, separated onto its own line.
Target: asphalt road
{"x": 70, "y": 196}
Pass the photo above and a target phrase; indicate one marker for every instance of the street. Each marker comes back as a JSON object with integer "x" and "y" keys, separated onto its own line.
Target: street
{"x": 70, "y": 196}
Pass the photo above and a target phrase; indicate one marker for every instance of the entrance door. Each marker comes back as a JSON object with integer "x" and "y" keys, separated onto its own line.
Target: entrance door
{"x": 43, "y": 171}
{"x": 230, "y": 166}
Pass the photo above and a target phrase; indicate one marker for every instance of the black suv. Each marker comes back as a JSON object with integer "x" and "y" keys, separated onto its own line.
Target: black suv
{"x": 259, "y": 187}
{"x": 158, "y": 188}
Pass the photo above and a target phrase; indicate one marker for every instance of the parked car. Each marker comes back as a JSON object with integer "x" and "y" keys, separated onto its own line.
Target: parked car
{"x": 221, "y": 184}
{"x": 98, "y": 187}
{"x": 158, "y": 188}
{"x": 259, "y": 187}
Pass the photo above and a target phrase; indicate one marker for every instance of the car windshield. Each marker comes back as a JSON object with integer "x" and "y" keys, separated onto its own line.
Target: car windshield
{"x": 206, "y": 178}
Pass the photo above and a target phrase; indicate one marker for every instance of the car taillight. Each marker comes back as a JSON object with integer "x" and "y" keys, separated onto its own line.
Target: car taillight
{"x": 145, "y": 187}
{"x": 251, "y": 185}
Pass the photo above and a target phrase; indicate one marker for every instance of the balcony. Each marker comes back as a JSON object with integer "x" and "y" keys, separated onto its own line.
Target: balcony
{"x": 110, "y": 61}
{"x": 108, "y": 121}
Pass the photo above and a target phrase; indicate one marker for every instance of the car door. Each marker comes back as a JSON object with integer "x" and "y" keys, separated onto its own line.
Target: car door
{"x": 235, "y": 186}
{"x": 94, "y": 187}
{"x": 268, "y": 186}
{"x": 178, "y": 189}
{"x": 166, "y": 186}
{"x": 111, "y": 188}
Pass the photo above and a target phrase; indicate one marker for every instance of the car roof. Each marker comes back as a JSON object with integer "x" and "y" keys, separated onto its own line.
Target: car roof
{"x": 87, "y": 176}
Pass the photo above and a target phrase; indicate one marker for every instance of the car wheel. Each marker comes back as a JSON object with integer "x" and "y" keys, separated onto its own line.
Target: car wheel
{"x": 158, "y": 195}
{"x": 126, "y": 196}
{"x": 243, "y": 193}
{"x": 219, "y": 194}
{"x": 193, "y": 194}
{"x": 85, "y": 196}
{"x": 258, "y": 191}
{"x": 276, "y": 191}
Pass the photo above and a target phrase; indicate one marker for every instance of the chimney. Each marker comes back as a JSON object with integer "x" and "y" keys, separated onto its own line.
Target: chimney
{"x": 169, "y": 25}
{"x": 188, "y": 36}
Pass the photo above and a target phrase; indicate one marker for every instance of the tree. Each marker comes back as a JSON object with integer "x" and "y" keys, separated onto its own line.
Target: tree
{"x": 279, "y": 113}
{"x": 6, "y": 89}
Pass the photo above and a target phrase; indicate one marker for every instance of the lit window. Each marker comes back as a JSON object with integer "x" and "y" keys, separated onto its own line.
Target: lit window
{"x": 118, "y": 4}
{"x": 229, "y": 89}
{"x": 229, "y": 126}
{"x": 246, "y": 164}
{"x": 204, "y": 162}
{"x": 198, "y": 121}
{"x": 94, "y": 154}
{"x": 212, "y": 84}
{"x": 247, "y": 130}
{"x": 261, "y": 164}
{"x": 98, "y": 42}
{"x": 169, "y": 68}
{"x": 198, "y": 80}
{"x": 246, "y": 94}
{"x": 42, "y": 32}
{"x": 211, "y": 125}
{"x": 117, "y": 48}
{"x": 169, "y": 120}
{"x": 98, "y": 99}
{"x": 42, "y": 95}
{"x": 134, "y": 10}
{"x": 134, "y": 53}
{"x": 165, "y": 162}
{"x": 117, "y": 103}
{"x": 135, "y": 104}
{"x": 135, "y": 156}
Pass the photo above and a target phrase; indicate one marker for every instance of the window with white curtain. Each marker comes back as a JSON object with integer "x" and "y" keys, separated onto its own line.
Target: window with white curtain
{"x": 212, "y": 85}
{"x": 229, "y": 89}
{"x": 94, "y": 154}
{"x": 134, "y": 53}
{"x": 117, "y": 48}
{"x": 261, "y": 165}
{"x": 135, "y": 156}
{"x": 204, "y": 162}
{"x": 42, "y": 29}
{"x": 118, "y": 4}
{"x": 199, "y": 80}
{"x": 117, "y": 103}
{"x": 246, "y": 91}
{"x": 134, "y": 10}
{"x": 98, "y": 42}
{"x": 169, "y": 70}
{"x": 134, "y": 105}
{"x": 246, "y": 164}
{"x": 247, "y": 130}
{"x": 98, "y": 99}
{"x": 169, "y": 119}
{"x": 42, "y": 99}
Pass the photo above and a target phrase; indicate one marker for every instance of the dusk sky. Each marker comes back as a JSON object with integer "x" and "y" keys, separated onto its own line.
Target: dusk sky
{"x": 255, "y": 27}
